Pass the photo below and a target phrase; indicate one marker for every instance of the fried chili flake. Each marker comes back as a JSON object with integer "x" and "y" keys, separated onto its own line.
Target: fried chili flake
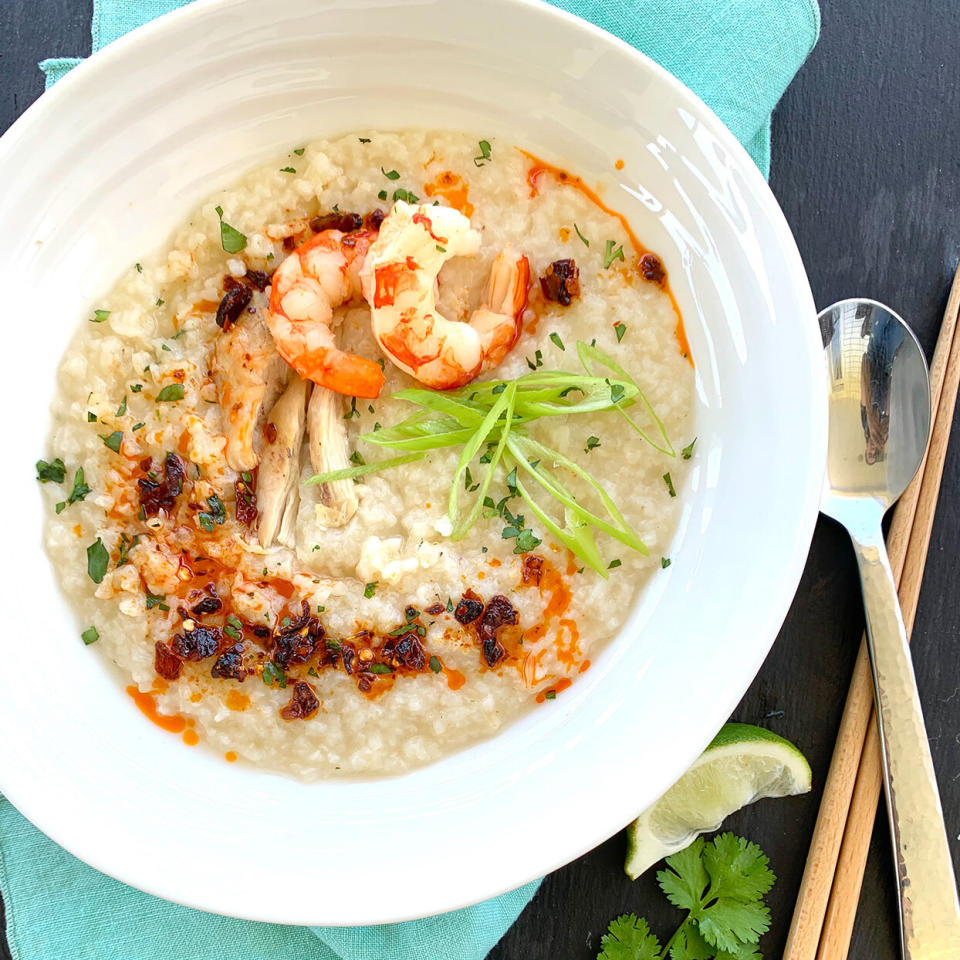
{"x": 532, "y": 569}
{"x": 651, "y": 266}
{"x": 404, "y": 651}
{"x": 468, "y": 609}
{"x": 303, "y": 702}
{"x": 298, "y": 640}
{"x": 161, "y": 493}
{"x": 166, "y": 662}
{"x": 561, "y": 282}
{"x": 499, "y": 612}
{"x": 270, "y": 432}
{"x": 245, "y": 498}
{"x": 229, "y": 665}
{"x": 198, "y": 643}
{"x": 234, "y": 302}
{"x": 209, "y": 604}
{"x": 435, "y": 609}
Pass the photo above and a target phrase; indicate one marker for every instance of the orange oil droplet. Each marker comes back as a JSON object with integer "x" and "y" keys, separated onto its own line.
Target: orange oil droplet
{"x": 237, "y": 701}
{"x": 191, "y": 738}
{"x": 230, "y": 756}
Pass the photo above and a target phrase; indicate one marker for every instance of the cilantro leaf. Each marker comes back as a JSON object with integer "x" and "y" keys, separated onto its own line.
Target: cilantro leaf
{"x": 629, "y": 939}
{"x": 729, "y": 923}
{"x": 231, "y": 239}
{"x": 97, "y": 560}
{"x": 54, "y": 471}
{"x": 688, "y": 944}
{"x": 686, "y": 880}
{"x": 737, "y": 868}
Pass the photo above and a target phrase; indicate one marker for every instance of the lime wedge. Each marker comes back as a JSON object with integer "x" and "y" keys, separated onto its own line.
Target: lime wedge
{"x": 743, "y": 763}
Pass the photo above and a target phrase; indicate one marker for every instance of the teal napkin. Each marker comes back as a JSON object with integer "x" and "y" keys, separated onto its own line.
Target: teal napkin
{"x": 738, "y": 56}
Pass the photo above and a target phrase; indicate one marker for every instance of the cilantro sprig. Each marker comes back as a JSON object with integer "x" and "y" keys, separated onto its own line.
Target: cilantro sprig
{"x": 721, "y": 885}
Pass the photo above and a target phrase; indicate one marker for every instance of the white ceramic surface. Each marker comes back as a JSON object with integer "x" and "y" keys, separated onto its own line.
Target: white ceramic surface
{"x": 103, "y": 167}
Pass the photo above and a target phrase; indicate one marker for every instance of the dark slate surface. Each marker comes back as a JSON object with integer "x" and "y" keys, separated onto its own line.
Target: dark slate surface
{"x": 866, "y": 164}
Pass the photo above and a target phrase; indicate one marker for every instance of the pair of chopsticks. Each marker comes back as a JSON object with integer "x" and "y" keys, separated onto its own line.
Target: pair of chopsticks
{"x": 830, "y": 890}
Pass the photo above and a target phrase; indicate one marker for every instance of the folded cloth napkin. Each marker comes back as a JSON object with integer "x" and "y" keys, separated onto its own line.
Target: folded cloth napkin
{"x": 739, "y": 56}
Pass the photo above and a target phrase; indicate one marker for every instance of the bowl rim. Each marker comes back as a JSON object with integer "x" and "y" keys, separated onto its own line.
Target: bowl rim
{"x": 85, "y": 847}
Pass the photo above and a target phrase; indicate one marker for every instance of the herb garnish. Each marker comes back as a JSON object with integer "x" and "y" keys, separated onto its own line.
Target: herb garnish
{"x": 592, "y": 444}
{"x": 231, "y": 239}
{"x": 91, "y": 417}
{"x": 586, "y": 242}
{"x": 154, "y": 600}
{"x": 435, "y": 665}
{"x": 537, "y": 360}
{"x": 555, "y": 337}
{"x": 364, "y": 139}
{"x": 353, "y": 411}
{"x": 287, "y": 170}
{"x": 484, "y": 155}
{"x": 47, "y": 472}
{"x": 620, "y": 329}
{"x": 112, "y": 440}
{"x": 122, "y": 409}
{"x": 613, "y": 564}
{"x": 722, "y": 885}
{"x": 665, "y": 562}
{"x": 217, "y": 513}
{"x": 405, "y": 195}
{"x": 78, "y": 493}
{"x": 136, "y": 387}
{"x": 669, "y": 482}
{"x": 390, "y": 174}
{"x": 382, "y": 195}
{"x": 99, "y": 316}
{"x": 370, "y": 589}
{"x": 687, "y": 451}
{"x": 139, "y": 267}
{"x": 299, "y": 151}
{"x": 170, "y": 393}
{"x": 90, "y": 635}
{"x": 379, "y": 668}
{"x": 97, "y": 559}
{"x": 272, "y": 674}
{"x": 614, "y": 251}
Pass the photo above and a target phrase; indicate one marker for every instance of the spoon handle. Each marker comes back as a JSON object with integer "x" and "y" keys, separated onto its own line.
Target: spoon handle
{"x": 929, "y": 909}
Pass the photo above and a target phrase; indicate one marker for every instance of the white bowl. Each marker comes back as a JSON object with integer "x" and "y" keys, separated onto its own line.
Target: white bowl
{"x": 109, "y": 161}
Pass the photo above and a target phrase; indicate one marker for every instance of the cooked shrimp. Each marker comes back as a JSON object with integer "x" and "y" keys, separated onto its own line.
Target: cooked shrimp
{"x": 399, "y": 281}
{"x": 319, "y": 276}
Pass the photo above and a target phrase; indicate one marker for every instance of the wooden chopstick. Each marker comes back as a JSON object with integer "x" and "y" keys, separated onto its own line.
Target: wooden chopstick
{"x": 830, "y": 888}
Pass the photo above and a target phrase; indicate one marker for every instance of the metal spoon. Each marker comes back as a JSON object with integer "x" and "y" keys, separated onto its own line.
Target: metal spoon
{"x": 879, "y": 428}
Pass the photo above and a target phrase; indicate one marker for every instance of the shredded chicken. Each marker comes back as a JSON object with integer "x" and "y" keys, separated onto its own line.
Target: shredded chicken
{"x": 250, "y": 375}
{"x": 328, "y": 451}
{"x": 277, "y": 494}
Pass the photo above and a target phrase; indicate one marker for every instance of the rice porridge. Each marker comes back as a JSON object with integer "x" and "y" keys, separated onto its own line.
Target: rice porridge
{"x": 333, "y": 514}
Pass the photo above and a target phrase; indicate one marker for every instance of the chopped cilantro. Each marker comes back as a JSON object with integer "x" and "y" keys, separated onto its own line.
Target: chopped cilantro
{"x": 370, "y": 589}
{"x": 99, "y": 316}
{"x": 379, "y": 668}
{"x": 537, "y": 361}
{"x": 665, "y": 562}
{"x": 364, "y": 139}
{"x": 526, "y": 541}
{"x": 484, "y": 155}
{"x": 217, "y": 513}
{"x": 555, "y": 337}
{"x": 139, "y": 267}
{"x": 112, "y": 440}
{"x": 139, "y": 425}
{"x": 616, "y": 392}
{"x": 511, "y": 481}
{"x": 382, "y": 195}
{"x": 613, "y": 564}
{"x": 90, "y": 635}
{"x": 435, "y": 665}
{"x": 550, "y": 695}
{"x": 79, "y": 491}
{"x": 353, "y": 411}
{"x": 390, "y": 174}
{"x": 231, "y": 239}
{"x": 405, "y": 195}
{"x": 687, "y": 451}
{"x": 160, "y": 302}
{"x": 272, "y": 674}
{"x": 357, "y": 458}
{"x": 97, "y": 559}
{"x": 136, "y": 387}
{"x": 592, "y": 443}
{"x": 154, "y": 600}
{"x": 299, "y": 151}
{"x": 620, "y": 329}
{"x": 614, "y": 251}
{"x": 312, "y": 673}
{"x": 449, "y": 605}
{"x": 287, "y": 170}
{"x": 91, "y": 417}
{"x": 55, "y": 471}
{"x": 122, "y": 409}
{"x": 170, "y": 393}
{"x": 586, "y": 242}
{"x": 669, "y": 483}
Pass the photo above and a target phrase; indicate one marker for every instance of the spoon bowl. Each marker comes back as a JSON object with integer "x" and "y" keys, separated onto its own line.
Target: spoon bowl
{"x": 879, "y": 415}
{"x": 879, "y": 406}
